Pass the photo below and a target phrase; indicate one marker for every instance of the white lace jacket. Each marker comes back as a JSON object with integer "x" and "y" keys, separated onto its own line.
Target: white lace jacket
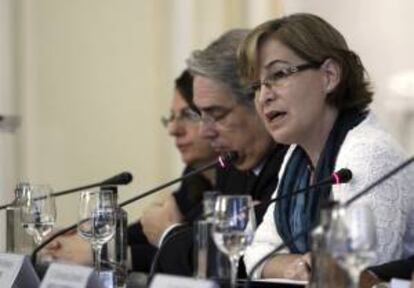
{"x": 369, "y": 153}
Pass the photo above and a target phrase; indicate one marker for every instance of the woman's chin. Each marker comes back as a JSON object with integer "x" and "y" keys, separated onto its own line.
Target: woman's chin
{"x": 282, "y": 138}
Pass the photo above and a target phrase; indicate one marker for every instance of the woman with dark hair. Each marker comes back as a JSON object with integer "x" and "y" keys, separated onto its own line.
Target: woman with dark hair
{"x": 183, "y": 204}
{"x": 310, "y": 91}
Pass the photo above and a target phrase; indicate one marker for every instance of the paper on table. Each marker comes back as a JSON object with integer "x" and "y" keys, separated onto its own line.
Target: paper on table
{"x": 284, "y": 281}
{"x": 399, "y": 283}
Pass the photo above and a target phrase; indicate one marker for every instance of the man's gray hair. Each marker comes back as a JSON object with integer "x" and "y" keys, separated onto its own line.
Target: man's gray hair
{"x": 218, "y": 61}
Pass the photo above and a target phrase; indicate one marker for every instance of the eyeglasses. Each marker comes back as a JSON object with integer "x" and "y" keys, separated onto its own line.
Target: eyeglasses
{"x": 215, "y": 115}
{"x": 279, "y": 78}
{"x": 187, "y": 115}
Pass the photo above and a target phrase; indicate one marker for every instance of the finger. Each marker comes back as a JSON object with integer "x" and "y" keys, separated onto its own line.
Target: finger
{"x": 303, "y": 270}
{"x": 308, "y": 259}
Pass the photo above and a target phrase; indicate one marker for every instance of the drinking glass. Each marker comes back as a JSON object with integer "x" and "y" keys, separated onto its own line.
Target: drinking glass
{"x": 363, "y": 240}
{"x": 97, "y": 220}
{"x": 233, "y": 228}
{"x": 38, "y": 212}
{"x": 354, "y": 242}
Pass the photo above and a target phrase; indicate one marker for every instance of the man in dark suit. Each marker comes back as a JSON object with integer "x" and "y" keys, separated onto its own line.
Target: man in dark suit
{"x": 230, "y": 122}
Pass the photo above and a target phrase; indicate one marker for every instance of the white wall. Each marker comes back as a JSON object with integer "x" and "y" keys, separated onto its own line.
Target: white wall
{"x": 93, "y": 85}
{"x": 7, "y": 107}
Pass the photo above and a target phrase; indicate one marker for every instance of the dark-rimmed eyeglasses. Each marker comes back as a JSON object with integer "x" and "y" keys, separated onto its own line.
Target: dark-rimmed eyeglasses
{"x": 216, "y": 115}
{"x": 278, "y": 79}
{"x": 187, "y": 115}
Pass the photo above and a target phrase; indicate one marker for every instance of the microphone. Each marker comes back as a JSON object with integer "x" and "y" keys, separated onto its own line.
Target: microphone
{"x": 341, "y": 176}
{"x": 123, "y": 178}
{"x": 223, "y": 161}
{"x": 348, "y": 203}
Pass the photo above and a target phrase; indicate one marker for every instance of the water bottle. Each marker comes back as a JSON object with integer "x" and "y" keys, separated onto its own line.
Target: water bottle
{"x": 114, "y": 252}
{"x": 17, "y": 240}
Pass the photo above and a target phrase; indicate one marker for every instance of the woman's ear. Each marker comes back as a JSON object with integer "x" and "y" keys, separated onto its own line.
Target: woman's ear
{"x": 332, "y": 74}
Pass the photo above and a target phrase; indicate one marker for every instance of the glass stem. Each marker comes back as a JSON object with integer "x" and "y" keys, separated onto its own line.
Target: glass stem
{"x": 354, "y": 275}
{"x": 37, "y": 239}
{"x": 234, "y": 265}
{"x": 97, "y": 251}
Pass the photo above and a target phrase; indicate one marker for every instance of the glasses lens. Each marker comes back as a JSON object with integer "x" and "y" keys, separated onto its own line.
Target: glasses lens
{"x": 190, "y": 115}
{"x": 165, "y": 121}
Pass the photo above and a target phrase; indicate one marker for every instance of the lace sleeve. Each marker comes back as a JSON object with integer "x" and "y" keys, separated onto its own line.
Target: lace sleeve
{"x": 370, "y": 154}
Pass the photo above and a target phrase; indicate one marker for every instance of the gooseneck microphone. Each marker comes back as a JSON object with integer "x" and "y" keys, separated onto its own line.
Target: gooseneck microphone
{"x": 123, "y": 178}
{"x": 339, "y": 177}
{"x": 347, "y": 204}
{"x": 223, "y": 161}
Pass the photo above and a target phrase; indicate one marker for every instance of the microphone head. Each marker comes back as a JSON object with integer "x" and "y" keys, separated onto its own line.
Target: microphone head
{"x": 123, "y": 178}
{"x": 344, "y": 175}
{"x": 228, "y": 158}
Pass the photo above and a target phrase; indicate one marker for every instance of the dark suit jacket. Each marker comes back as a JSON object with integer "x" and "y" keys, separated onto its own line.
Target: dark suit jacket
{"x": 176, "y": 253}
{"x": 402, "y": 269}
{"x": 188, "y": 197}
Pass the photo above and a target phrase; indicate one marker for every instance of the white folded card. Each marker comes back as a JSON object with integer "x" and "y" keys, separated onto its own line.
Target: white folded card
{"x": 169, "y": 281}
{"x": 283, "y": 281}
{"x": 399, "y": 283}
{"x": 16, "y": 271}
{"x": 70, "y": 276}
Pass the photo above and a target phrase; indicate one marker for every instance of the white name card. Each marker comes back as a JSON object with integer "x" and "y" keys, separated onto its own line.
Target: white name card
{"x": 169, "y": 281}
{"x": 400, "y": 283}
{"x": 70, "y": 276}
{"x": 16, "y": 271}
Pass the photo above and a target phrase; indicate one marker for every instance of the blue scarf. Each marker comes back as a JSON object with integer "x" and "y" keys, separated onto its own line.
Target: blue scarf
{"x": 296, "y": 214}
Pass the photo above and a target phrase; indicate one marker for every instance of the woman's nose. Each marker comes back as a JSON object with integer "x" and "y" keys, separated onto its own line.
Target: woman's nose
{"x": 175, "y": 128}
{"x": 265, "y": 95}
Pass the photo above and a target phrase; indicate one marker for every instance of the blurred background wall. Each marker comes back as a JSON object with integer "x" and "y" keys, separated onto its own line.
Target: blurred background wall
{"x": 91, "y": 79}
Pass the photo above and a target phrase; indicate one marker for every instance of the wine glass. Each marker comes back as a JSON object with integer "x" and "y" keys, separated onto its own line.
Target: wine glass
{"x": 97, "y": 220}
{"x": 38, "y": 211}
{"x": 354, "y": 243}
{"x": 363, "y": 240}
{"x": 233, "y": 228}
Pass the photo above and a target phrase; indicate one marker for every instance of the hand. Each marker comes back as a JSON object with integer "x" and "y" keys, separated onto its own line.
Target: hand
{"x": 158, "y": 218}
{"x": 368, "y": 279}
{"x": 291, "y": 266}
{"x": 69, "y": 248}
{"x": 300, "y": 268}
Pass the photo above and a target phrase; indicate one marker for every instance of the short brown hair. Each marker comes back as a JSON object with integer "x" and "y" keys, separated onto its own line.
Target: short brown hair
{"x": 314, "y": 40}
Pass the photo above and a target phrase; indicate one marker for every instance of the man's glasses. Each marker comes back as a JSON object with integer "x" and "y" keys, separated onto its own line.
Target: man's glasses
{"x": 215, "y": 115}
{"x": 187, "y": 115}
{"x": 279, "y": 78}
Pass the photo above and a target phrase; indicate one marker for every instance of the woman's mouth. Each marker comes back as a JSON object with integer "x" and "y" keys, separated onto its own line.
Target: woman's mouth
{"x": 274, "y": 116}
{"x": 182, "y": 147}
